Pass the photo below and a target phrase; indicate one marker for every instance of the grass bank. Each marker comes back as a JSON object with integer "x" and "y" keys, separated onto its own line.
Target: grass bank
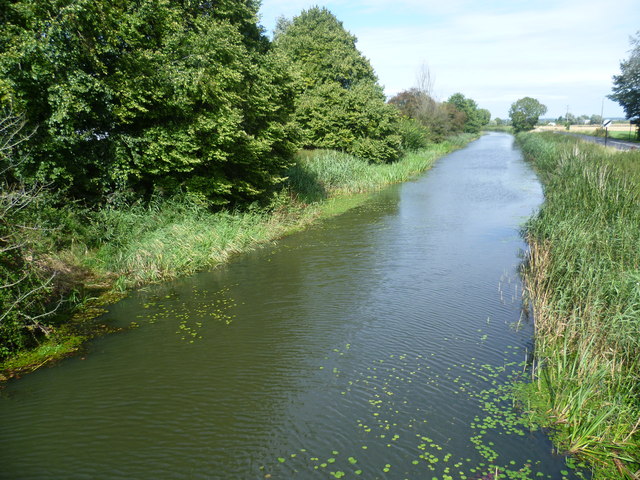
{"x": 583, "y": 280}
{"x": 99, "y": 254}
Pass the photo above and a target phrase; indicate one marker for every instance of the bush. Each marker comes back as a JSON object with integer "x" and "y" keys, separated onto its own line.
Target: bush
{"x": 377, "y": 151}
{"x": 414, "y": 136}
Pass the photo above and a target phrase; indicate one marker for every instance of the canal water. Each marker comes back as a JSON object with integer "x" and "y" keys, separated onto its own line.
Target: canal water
{"x": 378, "y": 344}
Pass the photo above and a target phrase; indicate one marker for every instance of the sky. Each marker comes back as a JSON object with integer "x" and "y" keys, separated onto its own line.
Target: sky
{"x": 561, "y": 52}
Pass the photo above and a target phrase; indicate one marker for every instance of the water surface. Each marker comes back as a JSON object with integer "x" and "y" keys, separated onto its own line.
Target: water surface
{"x": 375, "y": 345}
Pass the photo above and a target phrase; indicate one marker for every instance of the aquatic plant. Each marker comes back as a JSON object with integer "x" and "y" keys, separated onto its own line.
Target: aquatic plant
{"x": 396, "y": 421}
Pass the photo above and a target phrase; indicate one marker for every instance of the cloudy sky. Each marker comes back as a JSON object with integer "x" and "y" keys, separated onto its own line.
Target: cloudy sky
{"x": 561, "y": 52}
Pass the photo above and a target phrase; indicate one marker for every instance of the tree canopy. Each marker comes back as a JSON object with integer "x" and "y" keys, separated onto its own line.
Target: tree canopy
{"x": 525, "y": 112}
{"x": 457, "y": 114}
{"x": 339, "y": 103}
{"x": 147, "y": 95}
{"x": 475, "y": 118}
{"x": 626, "y": 86}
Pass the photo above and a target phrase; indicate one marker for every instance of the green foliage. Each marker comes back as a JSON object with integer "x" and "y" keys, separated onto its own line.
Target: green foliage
{"x": 340, "y": 104}
{"x": 319, "y": 174}
{"x": 582, "y": 275}
{"x": 148, "y": 96}
{"x": 626, "y": 86}
{"x": 595, "y": 119}
{"x": 484, "y": 117}
{"x": 525, "y": 113}
{"x": 475, "y": 118}
{"x": 440, "y": 119}
{"x": 414, "y": 135}
{"x": 322, "y": 50}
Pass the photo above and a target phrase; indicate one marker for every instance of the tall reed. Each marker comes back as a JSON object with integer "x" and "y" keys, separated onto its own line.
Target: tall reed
{"x": 319, "y": 174}
{"x": 583, "y": 279}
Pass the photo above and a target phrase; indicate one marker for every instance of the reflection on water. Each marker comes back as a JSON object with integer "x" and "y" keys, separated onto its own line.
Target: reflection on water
{"x": 376, "y": 345}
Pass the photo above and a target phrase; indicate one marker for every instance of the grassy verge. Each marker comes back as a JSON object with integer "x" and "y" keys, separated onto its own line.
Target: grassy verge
{"x": 583, "y": 279}
{"x": 628, "y": 136}
{"x": 116, "y": 249}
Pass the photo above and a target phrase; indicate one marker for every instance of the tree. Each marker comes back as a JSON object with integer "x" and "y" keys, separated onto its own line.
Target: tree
{"x": 321, "y": 50}
{"x": 414, "y": 103}
{"x": 626, "y": 86}
{"x": 339, "y": 103}
{"x": 525, "y": 112}
{"x": 148, "y": 96}
{"x": 440, "y": 118}
{"x": 570, "y": 119}
{"x": 25, "y": 290}
{"x": 475, "y": 118}
{"x": 484, "y": 116}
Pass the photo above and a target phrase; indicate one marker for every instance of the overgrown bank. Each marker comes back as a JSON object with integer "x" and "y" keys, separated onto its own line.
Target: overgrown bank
{"x": 583, "y": 280}
{"x": 91, "y": 252}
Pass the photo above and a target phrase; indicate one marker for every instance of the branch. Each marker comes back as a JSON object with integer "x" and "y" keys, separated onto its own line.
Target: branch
{"x": 15, "y": 283}
{"x": 26, "y": 295}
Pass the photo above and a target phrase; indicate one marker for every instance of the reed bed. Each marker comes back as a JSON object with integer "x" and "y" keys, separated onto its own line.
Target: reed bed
{"x": 583, "y": 280}
{"x": 319, "y": 174}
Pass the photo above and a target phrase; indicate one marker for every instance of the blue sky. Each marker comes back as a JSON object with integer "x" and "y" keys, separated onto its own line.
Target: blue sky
{"x": 561, "y": 52}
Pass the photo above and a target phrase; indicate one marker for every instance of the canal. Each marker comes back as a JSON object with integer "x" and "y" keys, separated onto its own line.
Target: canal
{"x": 377, "y": 344}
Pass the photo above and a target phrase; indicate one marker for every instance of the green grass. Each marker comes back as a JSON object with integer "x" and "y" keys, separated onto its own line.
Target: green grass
{"x": 630, "y": 137}
{"x": 320, "y": 174}
{"x": 583, "y": 279}
{"x": 618, "y": 135}
{"x": 149, "y": 244}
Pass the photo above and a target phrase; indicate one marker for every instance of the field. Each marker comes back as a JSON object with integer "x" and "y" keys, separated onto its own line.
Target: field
{"x": 619, "y": 130}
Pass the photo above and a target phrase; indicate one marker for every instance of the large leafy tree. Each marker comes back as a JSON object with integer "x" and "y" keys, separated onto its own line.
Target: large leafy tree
{"x": 475, "y": 118}
{"x": 626, "y": 86}
{"x": 147, "y": 95}
{"x": 340, "y": 104}
{"x": 525, "y": 112}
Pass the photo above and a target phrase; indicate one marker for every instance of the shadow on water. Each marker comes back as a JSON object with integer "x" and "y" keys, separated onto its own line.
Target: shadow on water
{"x": 379, "y": 344}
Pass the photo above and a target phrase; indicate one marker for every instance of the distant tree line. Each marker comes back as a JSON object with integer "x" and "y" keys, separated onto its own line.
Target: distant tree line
{"x": 525, "y": 113}
{"x": 438, "y": 119}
